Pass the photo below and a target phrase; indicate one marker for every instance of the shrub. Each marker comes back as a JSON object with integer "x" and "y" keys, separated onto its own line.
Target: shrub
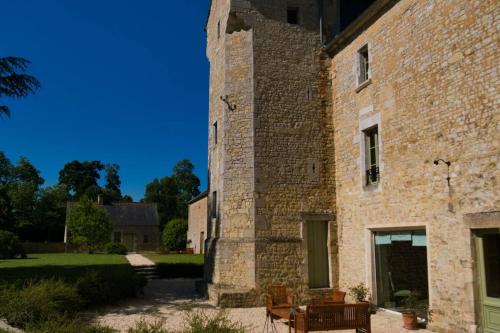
{"x": 174, "y": 234}
{"x": 38, "y": 301}
{"x": 67, "y": 325}
{"x": 116, "y": 248}
{"x": 198, "y": 322}
{"x": 10, "y": 247}
{"x": 105, "y": 288}
{"x": 144, "y": 327}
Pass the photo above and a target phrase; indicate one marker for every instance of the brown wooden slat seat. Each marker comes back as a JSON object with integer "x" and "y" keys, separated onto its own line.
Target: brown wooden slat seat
{"x": 326, "y": 317}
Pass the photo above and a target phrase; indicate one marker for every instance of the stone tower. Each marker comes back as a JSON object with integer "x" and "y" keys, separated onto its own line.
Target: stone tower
{"x": 271, "y": 158}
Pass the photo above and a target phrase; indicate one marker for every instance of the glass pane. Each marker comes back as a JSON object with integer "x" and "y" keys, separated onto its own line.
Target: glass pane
{"x": 491, "y": 250}
{"x": 401, "y": 267}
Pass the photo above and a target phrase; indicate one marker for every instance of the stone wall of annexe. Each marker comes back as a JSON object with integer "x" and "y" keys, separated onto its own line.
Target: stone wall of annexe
{"x": 433, "y": 94}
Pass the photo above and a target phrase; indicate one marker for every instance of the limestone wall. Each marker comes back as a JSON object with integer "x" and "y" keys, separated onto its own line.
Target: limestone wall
{"x": 197, "y": 224}
{"x": 434, "y": 94}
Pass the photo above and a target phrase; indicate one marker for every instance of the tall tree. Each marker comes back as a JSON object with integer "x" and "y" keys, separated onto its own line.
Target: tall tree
{"x": 165, "y": 194}
{"x": 14, "y": 82}
{"x": 81, "y": 178}
{"x": 112, "y": 192}
{"x": 51, "y": 214}
{"x": 187, "y": 184}
{"x": 89, "y": 224}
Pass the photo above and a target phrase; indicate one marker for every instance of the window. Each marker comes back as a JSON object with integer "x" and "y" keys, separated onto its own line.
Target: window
{"x": 401, "y": 267}
{"x": 117, "y": 237}
{"x": 371, "y": 155}
{"x": 214, "y": 204}
{"x": 364, "y": 65}
{"x": 292, "y": 14}
{"x": 145, "y": 239}
{"x": 215, "y": 133}
{"x": 218, "y": 30}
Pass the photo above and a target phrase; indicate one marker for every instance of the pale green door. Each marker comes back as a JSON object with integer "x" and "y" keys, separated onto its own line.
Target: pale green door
{"x": 317, "y": 243}
{"x": 488, "y": 250}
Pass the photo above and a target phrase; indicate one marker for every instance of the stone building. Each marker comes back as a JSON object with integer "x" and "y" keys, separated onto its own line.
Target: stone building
{"x": 136, "y": 225}
{"x": 197, "y": 223}
{"x": 356, "y": 141}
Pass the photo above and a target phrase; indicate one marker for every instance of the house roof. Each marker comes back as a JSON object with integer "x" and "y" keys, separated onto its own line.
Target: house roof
{"x": 198, "y": 197}
{"x": 136, "y": 214}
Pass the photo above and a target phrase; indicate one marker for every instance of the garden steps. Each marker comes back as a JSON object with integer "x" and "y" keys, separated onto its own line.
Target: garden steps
{"x": 149, "y": 272}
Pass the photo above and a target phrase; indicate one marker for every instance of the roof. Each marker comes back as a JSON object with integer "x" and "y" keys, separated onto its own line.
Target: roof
{"x": 136, "y": 214}
{"x": 198, "y": 197}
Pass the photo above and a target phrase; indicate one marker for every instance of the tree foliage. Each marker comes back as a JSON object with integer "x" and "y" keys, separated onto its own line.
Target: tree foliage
{"x": 174, "y": 234}
{"x": 81, "y": 178}
{"x": 14, "y": 81}
{"x": 172, "y": 193}
{"x": 112, "y": 192}
{"x": 88, "y": 225}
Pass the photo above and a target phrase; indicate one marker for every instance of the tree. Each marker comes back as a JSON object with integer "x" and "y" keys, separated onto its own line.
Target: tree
{"x": 127, "y": 199}
{"x": 89, "y": 224}
{"x": 112, "y": 192}
{"x": 164, "y": 193}
{"x": 81, "y": 178}
{"x": 51, "y": 213}
{"x": 14, "y": 82}
{"x": 174, "y": 234}
{"x": 187, "y": 184}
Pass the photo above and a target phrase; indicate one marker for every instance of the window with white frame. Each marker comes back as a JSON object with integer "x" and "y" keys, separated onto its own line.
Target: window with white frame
{"x": 364, "y": 65}
{"x": 372, "y": 155}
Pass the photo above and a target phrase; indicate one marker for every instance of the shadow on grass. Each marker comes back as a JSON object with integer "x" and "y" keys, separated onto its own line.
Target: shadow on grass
{"x": 69, "y": 273}
{"x": 179, "y": 270}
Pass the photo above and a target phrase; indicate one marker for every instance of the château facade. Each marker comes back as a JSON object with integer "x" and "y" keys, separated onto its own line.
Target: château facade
{"x": 356, "y": 141}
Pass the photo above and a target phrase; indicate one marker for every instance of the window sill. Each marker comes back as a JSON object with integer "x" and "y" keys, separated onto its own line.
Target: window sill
{"x": 363, "y": 85}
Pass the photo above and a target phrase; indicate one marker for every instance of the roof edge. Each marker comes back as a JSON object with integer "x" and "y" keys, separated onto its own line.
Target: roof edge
{"x": 200, "y": 196}
{"x": 366, "y": 19}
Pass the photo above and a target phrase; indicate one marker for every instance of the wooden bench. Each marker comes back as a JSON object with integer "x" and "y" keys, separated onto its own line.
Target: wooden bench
{"x": 331, "y": 317}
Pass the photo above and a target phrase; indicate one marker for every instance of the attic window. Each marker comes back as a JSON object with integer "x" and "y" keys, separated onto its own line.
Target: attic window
{"x": 292, "y": 14}
{"x": 364, "y": 65}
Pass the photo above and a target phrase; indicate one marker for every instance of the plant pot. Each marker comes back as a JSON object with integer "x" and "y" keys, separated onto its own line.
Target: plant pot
{"x": 410, "y": 321}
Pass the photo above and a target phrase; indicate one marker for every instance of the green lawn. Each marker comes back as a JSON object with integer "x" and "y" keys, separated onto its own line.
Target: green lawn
{"x": 196, "y": 259}
{"x": 67, "y": 266}
{"x": 178, "y": 265}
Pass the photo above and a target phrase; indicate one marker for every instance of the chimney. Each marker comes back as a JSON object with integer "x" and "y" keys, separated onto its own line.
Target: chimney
{"x": 99, "y": 200}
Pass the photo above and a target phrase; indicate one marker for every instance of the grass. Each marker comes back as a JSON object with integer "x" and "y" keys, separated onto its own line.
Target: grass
{"x": 178, "y": 265}
{"x": 67, "y": 266}
{"x": 196, "y": 259}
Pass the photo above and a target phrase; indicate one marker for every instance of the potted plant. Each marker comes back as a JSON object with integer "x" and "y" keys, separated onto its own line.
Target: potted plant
{"x": 359, "y": 292}
{"x": 413, "y": 308}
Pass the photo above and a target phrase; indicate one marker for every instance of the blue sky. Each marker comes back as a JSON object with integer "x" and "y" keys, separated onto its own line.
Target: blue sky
{"x": 123, "y": 81}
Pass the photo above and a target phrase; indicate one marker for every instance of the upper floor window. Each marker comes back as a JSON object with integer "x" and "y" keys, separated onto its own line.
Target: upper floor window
{"x": 218, "y": 30}
{"x": 214, "y": 205}
{"x": 364, "y": 65}
{"x": 215, "y": 133}
{"x": 292, "y": 15}
{"x": 371, "y": 155}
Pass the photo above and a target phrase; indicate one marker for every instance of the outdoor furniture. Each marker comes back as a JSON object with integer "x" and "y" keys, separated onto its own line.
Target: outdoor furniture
{"x": 278, "y": 297}
{"x": 279, "y": 313}
{"x": 326, "y": 317}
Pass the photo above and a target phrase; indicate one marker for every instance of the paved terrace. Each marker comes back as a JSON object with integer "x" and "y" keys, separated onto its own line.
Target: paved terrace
{"x": 171, "y": 300}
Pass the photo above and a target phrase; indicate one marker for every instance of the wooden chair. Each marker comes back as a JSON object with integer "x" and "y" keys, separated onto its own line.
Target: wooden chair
{"x": 331, "y": 317}
{"x": 278, "y": 297}
{"x": 338, "y": 297}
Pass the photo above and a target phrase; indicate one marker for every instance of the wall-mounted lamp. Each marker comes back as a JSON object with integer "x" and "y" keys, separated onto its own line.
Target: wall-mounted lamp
{"x": 225, "y": 99}
{"x": 448, "y": 163}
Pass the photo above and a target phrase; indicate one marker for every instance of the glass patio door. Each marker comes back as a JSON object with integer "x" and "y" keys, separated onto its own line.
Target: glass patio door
{"x": 488, "y": 251}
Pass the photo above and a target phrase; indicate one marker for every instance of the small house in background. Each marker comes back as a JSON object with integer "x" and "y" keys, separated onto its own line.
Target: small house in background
{"x": 197, "y": 222}
{"x": 136, "y": 225}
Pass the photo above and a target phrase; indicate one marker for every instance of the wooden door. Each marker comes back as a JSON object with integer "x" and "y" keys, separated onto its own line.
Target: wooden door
{"x": 317, "y": 243}
{"x": 488, "y": 251}
{"x": 129, "y": 241}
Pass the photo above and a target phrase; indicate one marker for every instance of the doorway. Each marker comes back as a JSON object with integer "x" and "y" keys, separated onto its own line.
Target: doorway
{"x": 317, "y": 248}
{"x": 488, "y": 253}
{"x": 129, "y": 241}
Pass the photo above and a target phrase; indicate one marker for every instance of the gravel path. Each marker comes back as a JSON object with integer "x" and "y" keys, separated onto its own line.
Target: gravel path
{"x": 172, "y": 300}
{"x": 139, "y": 260}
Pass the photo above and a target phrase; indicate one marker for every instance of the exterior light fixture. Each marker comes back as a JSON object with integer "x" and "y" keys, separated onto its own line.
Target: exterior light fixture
{"x": 448, "y": 163}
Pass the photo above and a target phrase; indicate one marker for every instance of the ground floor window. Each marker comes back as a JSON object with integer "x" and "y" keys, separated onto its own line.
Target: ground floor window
{"x": 117, "y": 237}
{"x": 401, "y": 267}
